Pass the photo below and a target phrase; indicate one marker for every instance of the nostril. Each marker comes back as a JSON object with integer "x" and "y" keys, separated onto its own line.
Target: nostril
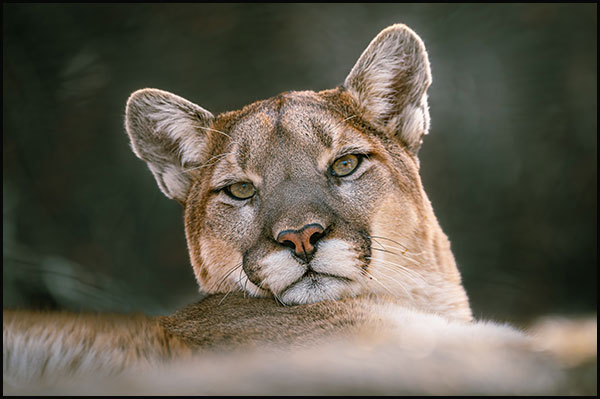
{"x": 290, "y": 239}
{"x": 303, "y": 241}
{"x": 315, "y": 237}
{"x": 312, "y": 233}
{"x": 289, "y": 244}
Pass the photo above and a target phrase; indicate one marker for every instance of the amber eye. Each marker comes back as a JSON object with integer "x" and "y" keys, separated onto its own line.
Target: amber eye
{"x": 345, "y": 165}
{"x": 241, "y": 191}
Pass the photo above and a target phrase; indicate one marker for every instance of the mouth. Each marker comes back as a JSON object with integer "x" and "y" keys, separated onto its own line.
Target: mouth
{"x": 334, "y": 273}
{"x": 316, "y": 276}
{"x": 314, "y": 287}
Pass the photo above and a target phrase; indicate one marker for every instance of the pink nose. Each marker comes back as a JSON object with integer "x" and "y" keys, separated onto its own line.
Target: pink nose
{"x": 302, "y": 241}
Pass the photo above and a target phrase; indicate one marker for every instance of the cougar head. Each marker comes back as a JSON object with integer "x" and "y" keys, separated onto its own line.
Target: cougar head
{"x": 309, "y": 196}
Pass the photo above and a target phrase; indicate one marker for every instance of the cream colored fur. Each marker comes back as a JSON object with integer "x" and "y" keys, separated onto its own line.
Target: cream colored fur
{"x": 367, "y": 345}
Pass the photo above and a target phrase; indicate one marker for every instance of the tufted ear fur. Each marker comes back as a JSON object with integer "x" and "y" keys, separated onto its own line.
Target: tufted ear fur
{"x": 390, "y": 81}
{"x": 170, "y": 134}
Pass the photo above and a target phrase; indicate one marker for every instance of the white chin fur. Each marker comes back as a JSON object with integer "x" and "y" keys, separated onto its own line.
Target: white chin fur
{"x": 314, "y": 288}
{"x": 282, "y": 274}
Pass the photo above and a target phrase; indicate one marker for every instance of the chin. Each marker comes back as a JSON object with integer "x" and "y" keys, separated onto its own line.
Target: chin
{"x": 314, "y": 288}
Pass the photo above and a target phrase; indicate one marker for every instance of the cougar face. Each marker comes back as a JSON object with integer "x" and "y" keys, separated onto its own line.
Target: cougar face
{"x": 304, "y": 232}
{"x": 309, "y": 196}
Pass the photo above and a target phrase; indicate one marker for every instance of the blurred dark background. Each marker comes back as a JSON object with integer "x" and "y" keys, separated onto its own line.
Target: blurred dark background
{"x": 509, "y": 165}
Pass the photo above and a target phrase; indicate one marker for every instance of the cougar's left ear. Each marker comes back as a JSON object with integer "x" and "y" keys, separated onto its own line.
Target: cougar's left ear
{"x": 390, "y": 81}
{"x": 171, "y": 134}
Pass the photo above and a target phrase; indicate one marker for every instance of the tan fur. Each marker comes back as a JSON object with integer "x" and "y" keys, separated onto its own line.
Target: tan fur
{"x": 214, "y": 226}
{"x": 374, "y": 298}
{"x": 368, "y": 344}
{"x": 39, "y": 346}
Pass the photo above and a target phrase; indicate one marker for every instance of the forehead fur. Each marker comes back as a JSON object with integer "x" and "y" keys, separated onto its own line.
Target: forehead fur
{"x": 303, "y": 126}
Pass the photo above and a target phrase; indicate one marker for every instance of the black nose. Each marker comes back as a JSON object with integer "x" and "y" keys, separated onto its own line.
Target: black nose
{"x": 302, "y": 241}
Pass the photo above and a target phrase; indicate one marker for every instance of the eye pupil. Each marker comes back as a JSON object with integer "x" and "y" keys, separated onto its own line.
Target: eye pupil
{"x": 345, "y": 165}
{"x": 241, "y": 191}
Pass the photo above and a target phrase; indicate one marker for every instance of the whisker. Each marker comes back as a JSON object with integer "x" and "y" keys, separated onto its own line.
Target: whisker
{"x": 401, "y": 286}
{"x": 387, "y": 251}
{"x": 401, "y": 268}
{"x": 405, "y": 248}
{"x": 416, "y": 262}
{"x": 389, "y": 268}
{"x": 380, "y": 283}
{"x": 206, "y": 164}
{"x": 228, "y": 274}
{"x": 233, "y": 269}
{"x": 278, "y": 299}
{"x": 378, "y": 243}
{"x": 244, "y": 288}
{"x": 404, "y": 256}
{"x": 224, "y": 296}
{"x": 215, "y": 130}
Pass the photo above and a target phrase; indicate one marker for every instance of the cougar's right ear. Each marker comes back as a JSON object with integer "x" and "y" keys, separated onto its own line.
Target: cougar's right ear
{"x": 389, "y": 83}
{"x": 169, "y": 133}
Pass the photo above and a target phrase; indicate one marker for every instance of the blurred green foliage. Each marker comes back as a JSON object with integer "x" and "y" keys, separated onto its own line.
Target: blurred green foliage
{"x": 509, "y": 165}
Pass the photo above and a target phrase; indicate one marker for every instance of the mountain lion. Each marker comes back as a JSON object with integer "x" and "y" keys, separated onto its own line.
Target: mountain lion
{"x": 307, "y": 222}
